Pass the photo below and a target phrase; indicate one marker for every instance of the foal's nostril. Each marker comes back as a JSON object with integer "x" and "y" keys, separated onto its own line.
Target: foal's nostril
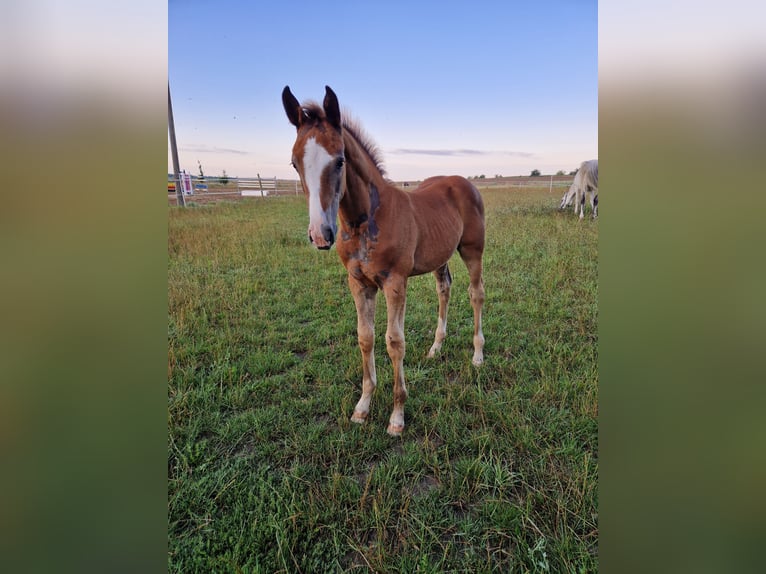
{"x": 328, "y": 234}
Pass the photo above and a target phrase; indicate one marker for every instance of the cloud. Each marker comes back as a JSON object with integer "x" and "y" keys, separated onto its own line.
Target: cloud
{"x": 197, "y": 148}
{"x": 457, "y": 152}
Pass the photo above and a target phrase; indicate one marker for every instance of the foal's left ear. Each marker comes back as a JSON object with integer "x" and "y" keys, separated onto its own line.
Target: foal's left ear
{"x": 292, "y": 107}
{"x": 331, "y": 108}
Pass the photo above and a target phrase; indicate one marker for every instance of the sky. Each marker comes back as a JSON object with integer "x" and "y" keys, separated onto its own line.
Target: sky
{"x": 479, "y": 87}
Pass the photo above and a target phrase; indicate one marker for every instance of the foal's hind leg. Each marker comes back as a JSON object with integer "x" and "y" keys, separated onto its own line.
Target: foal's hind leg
{"x": 443, "y": 283}
{"x": 472, "y": 259}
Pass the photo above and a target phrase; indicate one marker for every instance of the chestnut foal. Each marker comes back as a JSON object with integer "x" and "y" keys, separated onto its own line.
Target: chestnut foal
{"x": 386, "y": 234}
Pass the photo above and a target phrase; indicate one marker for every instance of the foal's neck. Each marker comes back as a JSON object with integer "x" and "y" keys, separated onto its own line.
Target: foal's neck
{"x": 362, "y": 176}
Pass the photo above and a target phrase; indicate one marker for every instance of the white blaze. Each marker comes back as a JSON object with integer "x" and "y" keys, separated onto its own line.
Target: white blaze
{"x": 315, "y": 160}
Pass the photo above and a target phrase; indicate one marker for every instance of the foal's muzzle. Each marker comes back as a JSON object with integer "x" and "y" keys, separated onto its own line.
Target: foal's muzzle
{"x": 327, "y": 234}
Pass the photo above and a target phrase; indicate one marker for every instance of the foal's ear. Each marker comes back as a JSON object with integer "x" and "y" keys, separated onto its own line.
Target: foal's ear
{"x": 292, "y": 107}
{"x": 331, "y": 108}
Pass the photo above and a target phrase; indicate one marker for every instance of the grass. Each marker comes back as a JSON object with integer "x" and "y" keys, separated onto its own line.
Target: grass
{"x": 497, "y": 469}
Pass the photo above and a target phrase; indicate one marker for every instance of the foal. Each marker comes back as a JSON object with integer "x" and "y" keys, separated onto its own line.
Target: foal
{"x": 386, "y": 234}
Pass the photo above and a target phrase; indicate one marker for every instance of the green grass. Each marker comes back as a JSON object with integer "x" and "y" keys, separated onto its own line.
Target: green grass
{"x": 497, "y": 468}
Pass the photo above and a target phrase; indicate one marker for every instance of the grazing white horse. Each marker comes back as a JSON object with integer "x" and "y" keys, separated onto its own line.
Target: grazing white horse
{"x": 585, "y": 184}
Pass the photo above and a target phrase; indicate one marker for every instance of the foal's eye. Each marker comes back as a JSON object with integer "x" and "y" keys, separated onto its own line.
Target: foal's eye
{"x": 339, "y": 163}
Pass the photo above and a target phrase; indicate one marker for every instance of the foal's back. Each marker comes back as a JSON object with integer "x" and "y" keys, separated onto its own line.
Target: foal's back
{"x": 449, "y": 215}
{"x": 451, "y": 192}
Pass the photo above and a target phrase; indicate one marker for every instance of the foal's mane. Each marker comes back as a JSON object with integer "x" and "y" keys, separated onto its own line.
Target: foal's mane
{"x": 313, "y": 111}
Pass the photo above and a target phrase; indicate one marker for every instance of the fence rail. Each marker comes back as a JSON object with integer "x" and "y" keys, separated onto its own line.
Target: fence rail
{"x": 264, "y": 186}
{"x": 210, "y": 189}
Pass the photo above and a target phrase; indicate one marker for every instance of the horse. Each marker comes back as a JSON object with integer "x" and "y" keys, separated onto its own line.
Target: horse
{"x": 386, "y": 234}
{"x": 585, "y": 183}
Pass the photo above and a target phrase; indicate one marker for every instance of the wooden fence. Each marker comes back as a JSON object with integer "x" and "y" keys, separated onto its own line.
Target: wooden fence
{"x": 235, "y": 189}
{"x": 262, "y": 187}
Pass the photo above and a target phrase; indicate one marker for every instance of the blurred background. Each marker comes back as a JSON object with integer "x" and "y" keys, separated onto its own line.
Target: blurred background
{"x": 682, "y": 317}
{"x": 83, "y": 358}
{"x": 83, "y": 130}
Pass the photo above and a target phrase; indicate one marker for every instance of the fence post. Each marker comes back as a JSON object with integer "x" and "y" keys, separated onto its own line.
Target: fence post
{"x": 180, "y": 199}
{"x": 550, "y": 189}
{"x": 259, "y": 183}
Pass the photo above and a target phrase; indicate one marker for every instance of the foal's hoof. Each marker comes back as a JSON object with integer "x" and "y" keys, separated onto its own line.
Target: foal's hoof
{"x": 395, "y": 430}
{"x": 358, "y": 418}
{"x": 477, "y": 361}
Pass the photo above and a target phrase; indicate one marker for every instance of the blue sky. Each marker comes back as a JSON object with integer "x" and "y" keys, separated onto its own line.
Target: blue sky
{"x": 472, "y": 87}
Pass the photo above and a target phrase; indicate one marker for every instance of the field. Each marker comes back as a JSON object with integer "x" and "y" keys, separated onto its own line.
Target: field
{"x": 497, "y": 469}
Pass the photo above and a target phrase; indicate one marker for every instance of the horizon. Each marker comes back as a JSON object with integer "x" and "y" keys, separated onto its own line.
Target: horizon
{"x": 296, "y": 178}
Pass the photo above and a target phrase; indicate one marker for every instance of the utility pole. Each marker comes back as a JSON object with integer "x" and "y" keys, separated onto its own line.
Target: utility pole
{"x": 174, "y": 152}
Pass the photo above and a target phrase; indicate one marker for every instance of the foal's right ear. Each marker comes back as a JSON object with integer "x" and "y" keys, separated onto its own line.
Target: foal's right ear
{"x": 292, "y": 107}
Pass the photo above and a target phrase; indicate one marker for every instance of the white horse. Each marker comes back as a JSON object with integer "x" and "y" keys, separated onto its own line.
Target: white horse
{"x": 585, "y": 184}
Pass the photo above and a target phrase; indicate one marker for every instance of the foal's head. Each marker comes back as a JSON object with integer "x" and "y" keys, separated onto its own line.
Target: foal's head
{"x": 318, "y": 157}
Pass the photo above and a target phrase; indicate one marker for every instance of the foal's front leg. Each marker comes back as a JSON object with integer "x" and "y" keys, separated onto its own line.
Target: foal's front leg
{"x": 396, "y": 296}
{"x": 364, "y": 299}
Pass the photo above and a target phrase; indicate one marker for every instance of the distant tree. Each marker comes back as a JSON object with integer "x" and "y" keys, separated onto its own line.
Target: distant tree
{"x": 560, "y": 172}
{"x": 481, "y": 176}
{"x": 573, "y": 172}
{"x": 224, "y": 179}
{"x": 535, "y": 173}
{"x": 498, "y": 176}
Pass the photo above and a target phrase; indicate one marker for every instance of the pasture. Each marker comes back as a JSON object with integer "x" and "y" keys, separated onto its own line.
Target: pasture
{"x": 497, "y": 469}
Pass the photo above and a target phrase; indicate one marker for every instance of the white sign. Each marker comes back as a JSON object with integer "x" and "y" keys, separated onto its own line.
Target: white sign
{"x": 186, "y": 184}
